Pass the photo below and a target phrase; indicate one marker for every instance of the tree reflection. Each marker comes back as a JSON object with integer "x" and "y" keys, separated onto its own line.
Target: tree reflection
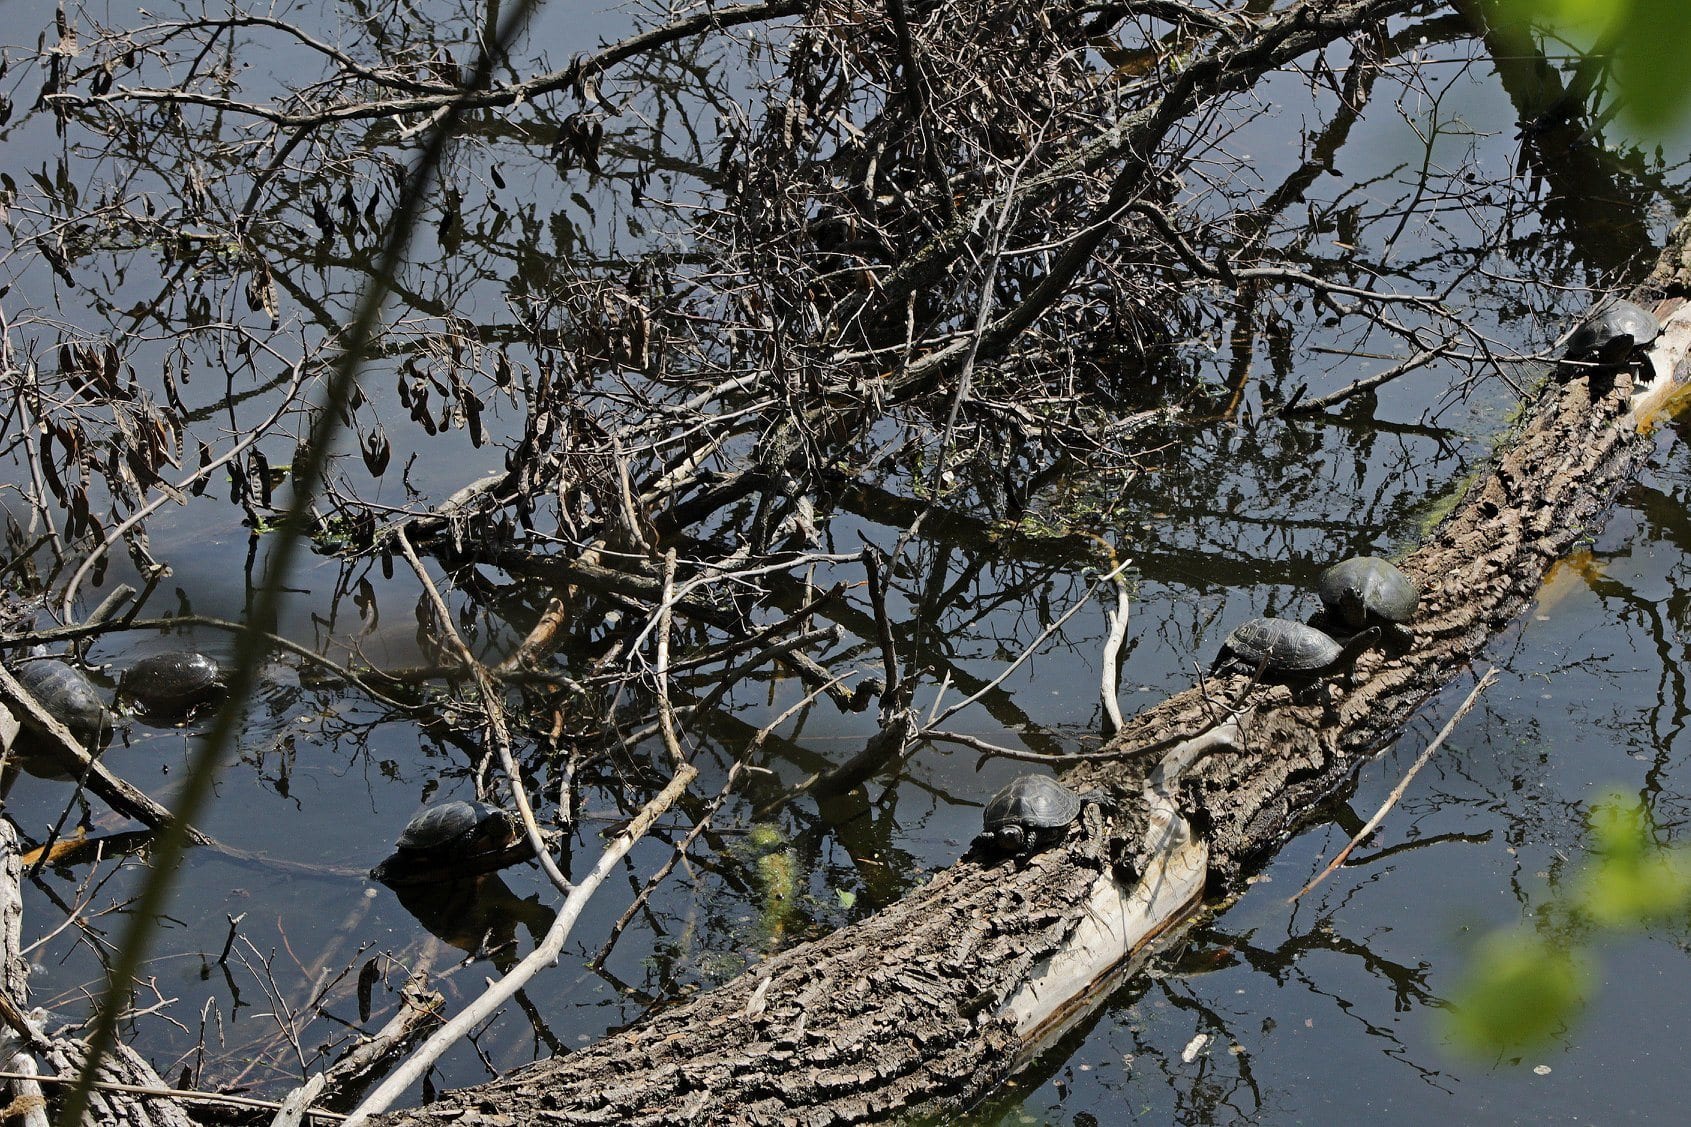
{"x": 726, "y": 291}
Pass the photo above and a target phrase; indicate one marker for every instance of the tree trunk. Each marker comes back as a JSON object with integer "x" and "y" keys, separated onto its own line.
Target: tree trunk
{"x": 933, "y": 1001}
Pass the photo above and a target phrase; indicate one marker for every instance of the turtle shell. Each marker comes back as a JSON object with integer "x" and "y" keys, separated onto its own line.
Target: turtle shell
{"x": 452, "y": 841}
{"x": 1032, "y": 812}
{"x": 69, "y": 697}
{"x": 1611, "y": 330}
{"x": 1285, "y": 646}
{"x": 455, "y": 829}
{"x": 1366, "y": 588}
{"x": 171, "y": 684}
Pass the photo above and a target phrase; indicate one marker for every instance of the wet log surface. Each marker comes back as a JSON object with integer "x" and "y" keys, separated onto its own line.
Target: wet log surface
{"x": 900, "y": 1009}
{"x": 910, "y": 1009}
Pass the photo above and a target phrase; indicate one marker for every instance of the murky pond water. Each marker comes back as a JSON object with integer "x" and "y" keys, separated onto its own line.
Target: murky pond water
{"x": 1327, "y": 1011}
{"x": 1332, "y": 1010}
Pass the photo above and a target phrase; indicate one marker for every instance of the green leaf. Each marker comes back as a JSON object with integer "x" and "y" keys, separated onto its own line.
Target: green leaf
{"x": 1646, "y": 43}
{"x": 1631, "y": 879}
{"x": 1519, "y": 992}
{"x": 1650, "y": 53}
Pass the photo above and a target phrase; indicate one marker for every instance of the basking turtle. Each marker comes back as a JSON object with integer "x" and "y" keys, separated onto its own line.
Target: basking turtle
{"x": 1609, "y": 332}
{"x": 454, "y": 839}
{"x": 170, "y": 685}
{"x": 1289, "y": 652}
{"x": 1366, "y": 590}
{"x": 1033, "y": 812}
{"x": 67, "y": 694}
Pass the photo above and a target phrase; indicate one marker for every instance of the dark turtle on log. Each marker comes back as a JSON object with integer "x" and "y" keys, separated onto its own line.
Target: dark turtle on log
{"x": 1033, "y": 812}
{"x": 1610, "y": 332}
{"x": 169, "y": 686}
{"x": 454, "y": 839}
{"x": 1289, "y": 652}
{"x": 67, "y": 694}
{"x": 1366, "y": 590}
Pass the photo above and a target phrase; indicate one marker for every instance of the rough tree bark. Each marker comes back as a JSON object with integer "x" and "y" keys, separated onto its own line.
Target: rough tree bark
{"x": 935, "y": 999}
{"x": 915, "y": 1008}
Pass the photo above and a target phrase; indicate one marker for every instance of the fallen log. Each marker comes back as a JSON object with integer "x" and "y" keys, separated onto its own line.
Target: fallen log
{"x": 930, "y": 1003}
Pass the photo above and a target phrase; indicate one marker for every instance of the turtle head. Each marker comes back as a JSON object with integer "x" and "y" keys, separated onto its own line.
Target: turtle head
{"x": 1353, "y": 609}
{"x": 1009, "y": 839}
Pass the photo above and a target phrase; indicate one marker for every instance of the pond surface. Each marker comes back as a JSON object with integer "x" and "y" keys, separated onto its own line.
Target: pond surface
{"x": 1331, "y": 1010}
{"x": 1327, "y": 1011}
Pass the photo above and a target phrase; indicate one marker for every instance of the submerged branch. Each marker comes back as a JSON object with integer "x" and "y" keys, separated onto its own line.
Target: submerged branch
{"x": 1431, "y": 749}
{"x": 543, "y": 956}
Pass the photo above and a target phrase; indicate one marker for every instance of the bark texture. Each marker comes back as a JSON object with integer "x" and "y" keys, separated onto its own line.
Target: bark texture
{"x": 896, "y": 1011}
{"x": 899, "y": 1012}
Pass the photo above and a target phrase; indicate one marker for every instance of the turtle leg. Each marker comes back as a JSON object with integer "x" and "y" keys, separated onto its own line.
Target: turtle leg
{"x": 1617, "y": 352}
{"x": 1104, "y": 799}
{"x": 1330, "y": 710}
{"x": 1305, "y": 690}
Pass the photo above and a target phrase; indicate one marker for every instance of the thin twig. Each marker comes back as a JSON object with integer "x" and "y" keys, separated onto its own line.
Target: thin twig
{"x": 1321, "y": 403}
{"x": 176, "y": 1094}
{"x": 229, "y": 940}
{"x": 915, "y": 83}
{"x": 983, "y": 314}
{"x": 725, "y": 683}
{"x": 68, "y": 600}
{"x": 418, "y": 1007}
{"x": 878, "y": 584}
{"x": 537, "y": 960}
{"x": 1030, "y": 650}
{"x": 686, "y": 843}
{"x": 499, "y": 734}
{"x": 1403, "y": 785}
{"x": 460, "y": 99}
{"x": 208, "y": 756}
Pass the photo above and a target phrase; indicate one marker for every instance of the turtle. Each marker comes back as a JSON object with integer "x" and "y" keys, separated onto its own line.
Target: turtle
{"x": 171, "y": 685}
{"x": 454, "y": 839}
{"x": 1609, "y": 332}
{"x": 1366, "y": 590}
{"x": 67, "y": 694}
{"x": 1289, "y": 652}
{"x": 1031, "y": 813}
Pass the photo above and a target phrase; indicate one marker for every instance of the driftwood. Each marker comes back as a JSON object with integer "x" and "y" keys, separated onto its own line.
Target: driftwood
{"x": 74, "y": 760}
{"x": 25, "y": 1048}
{"x": 931, "y": 1002}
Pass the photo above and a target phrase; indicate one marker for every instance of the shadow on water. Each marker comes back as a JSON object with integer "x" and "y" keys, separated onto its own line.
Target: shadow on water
{"x": 523, "y": 334}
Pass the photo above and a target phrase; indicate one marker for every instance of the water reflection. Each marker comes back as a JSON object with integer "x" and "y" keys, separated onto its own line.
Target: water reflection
{"x": 479, "y": 916}
{"x": 552, "y": 305}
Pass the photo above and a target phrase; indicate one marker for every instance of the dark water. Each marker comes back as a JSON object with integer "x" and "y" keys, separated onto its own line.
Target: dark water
{"x": 1331, "y": 1011}
{"x": 1326, "y": 1012}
